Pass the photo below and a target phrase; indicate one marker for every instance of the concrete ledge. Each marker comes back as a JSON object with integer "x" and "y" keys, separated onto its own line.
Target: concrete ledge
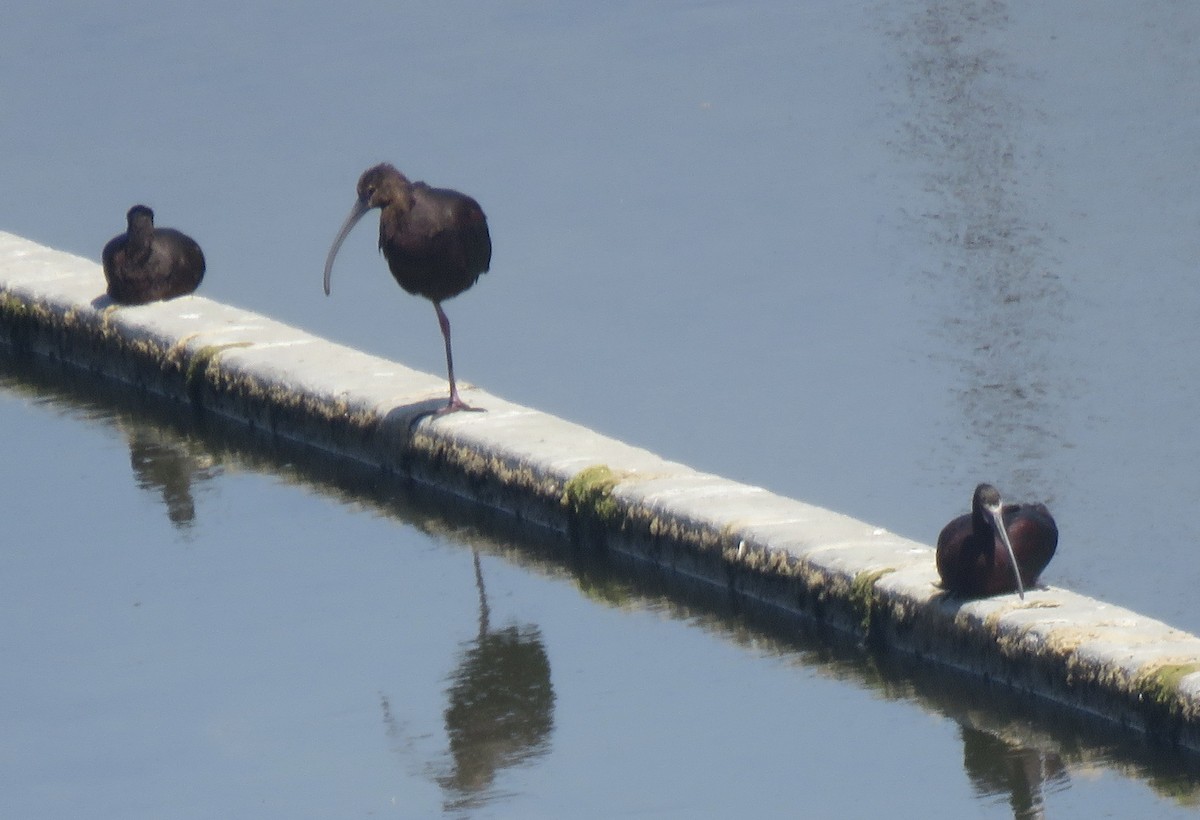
{"x": 603, "y": 494}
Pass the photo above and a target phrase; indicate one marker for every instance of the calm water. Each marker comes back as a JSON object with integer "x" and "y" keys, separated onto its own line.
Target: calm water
{"x": 278, "y": 638}
{"x": 865, "y": 254}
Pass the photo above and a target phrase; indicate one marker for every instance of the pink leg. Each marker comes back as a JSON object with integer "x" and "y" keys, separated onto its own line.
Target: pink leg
{"x": 455, "y": 402}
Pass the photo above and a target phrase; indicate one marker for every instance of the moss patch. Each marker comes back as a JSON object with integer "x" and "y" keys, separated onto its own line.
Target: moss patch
{"x": 589, "y": 494}
{"x": 198, "y": 366}
{"x": 482, "y": 466}
{"x": 1161, "y": 686}
{"x": 862, "y": 594}
{"x": 20, "y": 319}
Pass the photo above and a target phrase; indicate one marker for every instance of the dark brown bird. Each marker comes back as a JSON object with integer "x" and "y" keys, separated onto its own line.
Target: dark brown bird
{"x": 995, "y": 548}
{"x": 146, "y": 264}
{"x": 435, "y": 241}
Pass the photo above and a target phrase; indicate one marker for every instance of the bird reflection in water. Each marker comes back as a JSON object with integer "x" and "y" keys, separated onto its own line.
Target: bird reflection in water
{"x": 501, "y": 709}
{"x": 163, "y": 463}
{"x": 999, "y": 767}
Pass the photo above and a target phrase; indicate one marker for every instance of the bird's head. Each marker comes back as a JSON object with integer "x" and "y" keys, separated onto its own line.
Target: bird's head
{"x": 140, "y": 216}
{"x": 379, "y": 187}
{"x": 987, "y": 503}
{"x": 384, "y": 186}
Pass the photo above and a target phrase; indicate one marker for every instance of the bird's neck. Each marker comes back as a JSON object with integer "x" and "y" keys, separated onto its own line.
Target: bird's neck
{"x": 137, "y": 244}
{"x": 985, "y": 537}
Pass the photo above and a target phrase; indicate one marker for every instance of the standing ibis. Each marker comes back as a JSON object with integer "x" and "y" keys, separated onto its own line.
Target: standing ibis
{"x": 146, "y": 264}
{"x": 435, "y": 241}
{"x": 996, "y": 547}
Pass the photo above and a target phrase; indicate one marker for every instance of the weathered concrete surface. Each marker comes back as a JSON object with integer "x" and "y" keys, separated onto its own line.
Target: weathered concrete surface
{"x": 604, "y": 494}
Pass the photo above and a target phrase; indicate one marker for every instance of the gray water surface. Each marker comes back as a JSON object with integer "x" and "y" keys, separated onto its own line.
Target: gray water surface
{"x": 206, "y": 625}
{"x": 864, "y": 254}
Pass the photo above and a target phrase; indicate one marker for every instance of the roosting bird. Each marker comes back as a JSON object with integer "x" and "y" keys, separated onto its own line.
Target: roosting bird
{"x": 996, "y": 547}
{"x": 435, "y": 241}
{"x": 146, "y": 264}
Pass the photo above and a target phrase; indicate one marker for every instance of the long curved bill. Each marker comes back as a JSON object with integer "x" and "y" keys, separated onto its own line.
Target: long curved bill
{"x": 356, "y": 213}
{"x": 998, "y": 518}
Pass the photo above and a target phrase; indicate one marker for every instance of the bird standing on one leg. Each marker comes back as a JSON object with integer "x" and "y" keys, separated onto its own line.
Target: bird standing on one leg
{"x": 435, "y": 240}
{"x": 996, "y": 547}
{"x": 146, "y": 264}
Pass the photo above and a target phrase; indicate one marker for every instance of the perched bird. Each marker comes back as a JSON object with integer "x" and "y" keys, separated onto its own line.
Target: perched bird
{"x": 435, "y": 241}
{"x": 146, "y": 264}
{"x": 996, "y": 547}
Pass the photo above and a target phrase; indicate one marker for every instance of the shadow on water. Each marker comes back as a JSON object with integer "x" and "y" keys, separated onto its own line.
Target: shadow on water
{"x": 997, "y": 301}
{"x": 500, "y": 700}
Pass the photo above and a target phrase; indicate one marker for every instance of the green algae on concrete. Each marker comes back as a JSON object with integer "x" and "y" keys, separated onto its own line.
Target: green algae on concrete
{"x": 1161, "y": 686}
{"x": 439, "y": 455}
{"x": 198, "y": 366}
{"x": 87, "y": 337}
{"x": 589, "y": 494}
{"x": 864, "y": 597}
{"x": 21, "y": 319}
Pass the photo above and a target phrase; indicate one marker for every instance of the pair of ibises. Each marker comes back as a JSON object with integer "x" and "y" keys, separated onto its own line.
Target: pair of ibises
{"x": 436, "y": 243}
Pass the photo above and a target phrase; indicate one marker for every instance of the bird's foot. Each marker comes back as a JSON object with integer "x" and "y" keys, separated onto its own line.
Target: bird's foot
{"x": 457, "y": 404}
